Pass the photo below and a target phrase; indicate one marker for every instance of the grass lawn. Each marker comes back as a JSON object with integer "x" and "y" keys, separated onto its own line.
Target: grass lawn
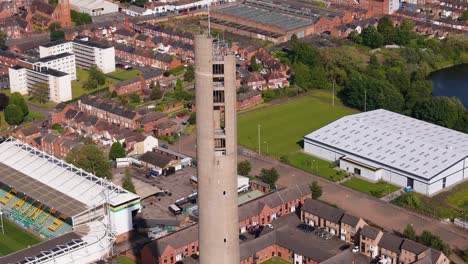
{"x": 124, "y": 74}
{"x": 449, "y": 204}
{"x": 15, "y": 238}
{"x": 283, "y": 125}
{"x": 276, "y": 260}
{"x": 125, "y": 260}
{"x": 379, "y": 189}
{"x": 81, "y": 78}
{"x": 315, "y": 165}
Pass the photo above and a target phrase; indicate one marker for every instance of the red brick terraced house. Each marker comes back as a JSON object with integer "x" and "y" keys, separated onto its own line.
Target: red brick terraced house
{"x": 165, "y": 128}
{"x": 276, "y": 80}
{"x": 248, "y": 99}
{"x": 255, "y": 81}
{"x": 149, "y": 121}
{"x": 146, "y": 57}
{"x": 128, "y": 86}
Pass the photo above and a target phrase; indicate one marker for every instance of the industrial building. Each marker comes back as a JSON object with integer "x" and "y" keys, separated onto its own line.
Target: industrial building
{"x": 383, "y": 145}
{"x": 276, "y": 20}
{"x": 25, "y": 80}
{"x": 81, "y": 215}
{"x": 94, "y": 7}
{"x": 86, "y": 53}
{"x": 215, "y": 83}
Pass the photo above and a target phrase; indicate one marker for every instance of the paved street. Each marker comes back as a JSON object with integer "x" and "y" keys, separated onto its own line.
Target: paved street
{"x": 383, "y": 214}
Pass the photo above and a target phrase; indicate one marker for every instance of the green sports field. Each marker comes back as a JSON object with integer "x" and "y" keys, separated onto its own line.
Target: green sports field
{"x": 15, "y": 238}
{"x": 282, "y": 126}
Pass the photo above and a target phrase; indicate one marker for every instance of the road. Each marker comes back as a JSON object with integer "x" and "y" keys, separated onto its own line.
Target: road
{"x": 43, "y": 110}
{"x": 386, "y": 215}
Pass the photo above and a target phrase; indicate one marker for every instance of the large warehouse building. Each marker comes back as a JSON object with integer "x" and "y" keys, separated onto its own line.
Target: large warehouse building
{"x": 402, "y": 150}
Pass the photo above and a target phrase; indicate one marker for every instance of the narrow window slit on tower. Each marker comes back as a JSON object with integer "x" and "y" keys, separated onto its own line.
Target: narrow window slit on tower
{"x": 225, "y": 240}
{"x": 224, "y": 192}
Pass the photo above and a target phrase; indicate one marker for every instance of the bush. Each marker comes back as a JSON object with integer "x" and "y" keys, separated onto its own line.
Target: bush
{"x": 244, "y": 168}
{"x": 269, "y": 176}
{"x": 316, "y": 190}
{"x": 13, "y": 114}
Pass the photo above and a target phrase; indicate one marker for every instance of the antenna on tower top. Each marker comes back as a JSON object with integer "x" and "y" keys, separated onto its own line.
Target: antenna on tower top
{"x": 209, "y": 19}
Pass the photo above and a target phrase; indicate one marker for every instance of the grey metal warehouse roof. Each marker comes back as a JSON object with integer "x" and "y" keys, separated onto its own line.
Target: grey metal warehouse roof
{"x": 40, "y": 191}
{"x": 397, "y": 141}
{"x": 266, "y": 16}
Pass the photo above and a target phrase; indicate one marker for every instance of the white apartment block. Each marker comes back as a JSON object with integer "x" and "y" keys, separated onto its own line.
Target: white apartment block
{"x": 86, "y": 53}
{"x": 64, "y": 62}
{"x": 22, "y": 80}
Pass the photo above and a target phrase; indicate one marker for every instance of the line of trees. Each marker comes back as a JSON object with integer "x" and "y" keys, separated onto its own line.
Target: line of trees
{"x": 397, "y": 82}
{"x": 428, "y": 239}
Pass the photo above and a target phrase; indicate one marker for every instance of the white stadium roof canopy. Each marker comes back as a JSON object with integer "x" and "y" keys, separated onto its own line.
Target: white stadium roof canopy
{"x": 23, "y": 165}
{"x": 395, "y": 140}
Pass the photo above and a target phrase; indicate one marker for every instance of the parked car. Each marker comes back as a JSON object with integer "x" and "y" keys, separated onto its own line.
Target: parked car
{"x": 242, "y": 237}
{"x": 345, "y": 246}
{"x": 195, "y": 256}
{"x": 164, "y": 146}
{"x": 355, "y": 249}
{"x": 180, "y": 115}
{"x": 327, "y": 236}
{"x": 306, "y": 228}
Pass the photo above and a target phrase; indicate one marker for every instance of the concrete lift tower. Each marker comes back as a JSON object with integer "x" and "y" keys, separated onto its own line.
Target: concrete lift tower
{"x": 215, "y": 83}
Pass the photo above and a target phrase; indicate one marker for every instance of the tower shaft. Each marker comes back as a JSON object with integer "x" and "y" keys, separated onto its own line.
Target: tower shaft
{"x": 215, "y": 77}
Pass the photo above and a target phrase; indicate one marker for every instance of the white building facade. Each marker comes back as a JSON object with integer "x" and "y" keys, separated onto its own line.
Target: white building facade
{"x": 86, "y": 53}
{"x": 64, "y": 62}
{"x": 22, "y": 80}
{"x": 94, "y": 7}
{"x": 382, "y": 145}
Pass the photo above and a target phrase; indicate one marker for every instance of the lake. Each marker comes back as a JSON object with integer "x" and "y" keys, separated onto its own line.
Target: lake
{"x": 450, "y": 82}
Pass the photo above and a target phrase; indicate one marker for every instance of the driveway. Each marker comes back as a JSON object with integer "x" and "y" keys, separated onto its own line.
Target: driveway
{"x": 383, "y": 214}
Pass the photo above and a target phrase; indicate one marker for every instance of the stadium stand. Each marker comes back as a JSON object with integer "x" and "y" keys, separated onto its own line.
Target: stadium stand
{"x": 70, "y": 208}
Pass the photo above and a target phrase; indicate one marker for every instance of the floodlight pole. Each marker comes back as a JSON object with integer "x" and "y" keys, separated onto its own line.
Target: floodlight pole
{"x": 1, "y": 223}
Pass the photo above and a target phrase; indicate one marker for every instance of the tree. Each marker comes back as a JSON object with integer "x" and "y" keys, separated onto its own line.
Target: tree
{"x": 371, "y": 37}
{"x": 17, "y": 99}
{"x": 409, "y": 233}
{"x": 193, "y": 118}
{"x": 464, "y": 16}
{"x": 134, "y": 97}
{"x": 316, "y": 190}
{"x": 91, "y": 159}
{"x": 13, "y": 114}
{"x": 127, "y": 182}
{"x": 116, "y": 151}
{"x": 4, "y": 99}
{"x": 2, "y": 41}
{"x": 179, "y": 85}
{"x": 55, "y": 32}
{"x": 96, "y": 74}
{"x": 90, "y": 84}
{"x": 253, "y": 64}
{"x": 293, "y": 39}
{"x": 269, "y": 176}
{"x": 189, "y": 74}
{"x": 305, "y": 53}
{"x": 443, "y": 111}
{"x": 355, "y": 37}
{"x": 80, "y": 18}
{"x": 244, "y": 168}
{"x": 156, "y": 92}
{"x": 40, "y": 92}
{"x": 386, "y": 29}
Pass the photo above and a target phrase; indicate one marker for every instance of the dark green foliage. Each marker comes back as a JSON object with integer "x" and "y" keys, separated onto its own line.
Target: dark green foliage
{"x": 462, "y": 253}
{"x": 464, "y": 16}
{"x": 127, "y": 182}
{"x": 269, "y": 176}
{"x": 40, "y": 92}
{"x": 4, "y": 99}
{"x": 91, "y": 159}
{"x": 189, "y": 73}
{"x": 96, "y": 74}
{"x": 156, "y": 93}
{"x": 17, "y": 99}
{"x": 13, "y": 114}
{"x": 53, "y": 2}
{"x": 253, "y": 63}
{"x": 316, "y": 190}
{"x": 244, "y": 168}
{"x": 355, "y": 37}
{"x": 443, "y": 111}
{"x": 304, "y": 53}
{"x": 410, "y": 233}
{"x": 409, "y": 200}
{"x": 386, "y": 29}
{"x": 134, "y": 97}
{"x": 428, "y": 239}
{"x": 90, "y": 84}
{"x": 193, "y": 118}
{"x": 179, "y": 85}
{"x": 2, "y": 41}
{"x": 116, "y": 151}
{"x": 55, "y": 32}
{"x": 371, "y": 37}
{"x": 80, "y": 18}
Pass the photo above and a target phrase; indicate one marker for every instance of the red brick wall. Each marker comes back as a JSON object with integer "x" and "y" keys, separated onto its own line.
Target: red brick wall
{"x": 250, "y": 102}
